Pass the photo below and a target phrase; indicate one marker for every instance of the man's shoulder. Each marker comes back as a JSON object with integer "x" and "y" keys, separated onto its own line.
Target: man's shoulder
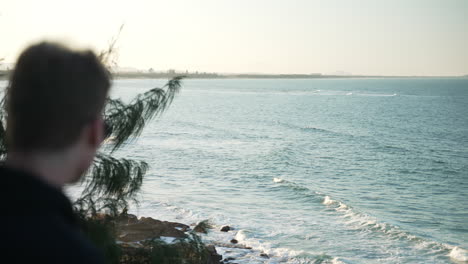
{"x": 38, "y": 223}
{"x": 45, "y": 237}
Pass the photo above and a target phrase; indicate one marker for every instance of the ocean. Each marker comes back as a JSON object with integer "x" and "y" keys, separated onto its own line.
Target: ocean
{"x": 313, "y": 170}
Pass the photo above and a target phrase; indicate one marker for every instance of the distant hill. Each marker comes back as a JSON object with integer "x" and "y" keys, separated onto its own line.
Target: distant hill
{"x": 131, "y": 73}
{"x": 6, "y": 66}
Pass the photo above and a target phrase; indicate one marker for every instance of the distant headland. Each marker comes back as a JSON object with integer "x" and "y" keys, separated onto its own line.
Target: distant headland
{"x": 151, "y": 74}
{"x": 207, "y": 75}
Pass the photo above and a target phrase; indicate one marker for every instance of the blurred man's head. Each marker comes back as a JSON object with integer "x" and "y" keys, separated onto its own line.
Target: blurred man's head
{"x": 54, "y": 103}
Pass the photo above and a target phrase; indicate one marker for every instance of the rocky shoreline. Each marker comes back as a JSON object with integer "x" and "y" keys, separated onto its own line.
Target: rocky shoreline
{"x": 147, "y": 240}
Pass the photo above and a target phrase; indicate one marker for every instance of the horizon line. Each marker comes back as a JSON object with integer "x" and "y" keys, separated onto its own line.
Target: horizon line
{"x": 135, "y": 71}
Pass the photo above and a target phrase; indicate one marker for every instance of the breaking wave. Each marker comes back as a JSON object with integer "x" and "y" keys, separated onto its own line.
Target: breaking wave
{"x": 356, "y": 220}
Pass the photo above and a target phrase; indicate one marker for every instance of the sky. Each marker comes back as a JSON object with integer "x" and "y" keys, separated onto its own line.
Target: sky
{"x": 365, "y": 37}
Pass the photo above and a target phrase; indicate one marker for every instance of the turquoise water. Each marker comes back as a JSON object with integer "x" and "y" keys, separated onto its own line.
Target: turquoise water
{"x": 350, "y": 170}
{"x": 314, "y": 171}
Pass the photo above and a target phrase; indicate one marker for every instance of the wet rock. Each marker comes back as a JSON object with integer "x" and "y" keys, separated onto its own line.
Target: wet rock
{"x": 225, "y": 228}
{"x": 229, "y": 260}
{"x": 264, "y": 255}
{"x": 234, "y": 241}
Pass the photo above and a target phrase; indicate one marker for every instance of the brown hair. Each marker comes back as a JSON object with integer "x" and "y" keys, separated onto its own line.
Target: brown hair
{"x": 53, "y": 93}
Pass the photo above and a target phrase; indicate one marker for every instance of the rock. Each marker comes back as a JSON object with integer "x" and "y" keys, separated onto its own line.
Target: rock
{"x": 130, "y": 229}
{"x": 215, "y": 257}
{"x": 181, "y": 252}
{"x": 127, "y": 218}
{"x": 234, "y": 241}
{"x": 225, "y": 228}
{"x": 226, "y": 260}
{"x": 264, "y": 255}
{"x": 135, "y": 238}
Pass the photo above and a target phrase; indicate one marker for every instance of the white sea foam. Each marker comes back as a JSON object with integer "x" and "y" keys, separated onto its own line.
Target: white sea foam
{"x": 328, "y": 201}
{"x": 278, "y": 180}
{"x": 377, "y": 95}
{"x": 340, "y": 261}
{"x": 459, "y": 254}
{"x": 342, "y": 207}
{"x": 366, "y": 223}
{"x": 249, "y": 248}
{"x": 275, "y": 254}
{"x": 245, "y": 238}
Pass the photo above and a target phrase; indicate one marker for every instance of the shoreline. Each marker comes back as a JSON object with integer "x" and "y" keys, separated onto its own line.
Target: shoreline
{"x": 141, "y": 237}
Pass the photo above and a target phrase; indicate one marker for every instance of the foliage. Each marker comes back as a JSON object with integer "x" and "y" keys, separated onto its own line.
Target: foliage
{"x": 112, "y": 183}
{"x": 203, "y": 226}
{"x": 101, "y": 232}
{"x": 190, "y": 250}
{"x": 109, "y": 56}
{"x": 124, "y": 120}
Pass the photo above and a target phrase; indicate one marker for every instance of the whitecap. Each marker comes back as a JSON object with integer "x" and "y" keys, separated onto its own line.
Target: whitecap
{"x": 276, "y": 254}
{"x": 361, "y": 221}
{"x": 340, "y": 261}
{"x": 328, "y": 201}
{"x": 459, "y": 254}
{"x": 342, "y": 207}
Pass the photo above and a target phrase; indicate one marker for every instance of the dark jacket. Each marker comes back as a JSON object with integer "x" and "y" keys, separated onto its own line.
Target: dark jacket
{"x": 37, "y": 223}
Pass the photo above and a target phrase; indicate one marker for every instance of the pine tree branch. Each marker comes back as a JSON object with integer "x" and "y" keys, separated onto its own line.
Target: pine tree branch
{"x": 126, "y": 120}
{"x": 109, "y": 176}
{"x": 109, "y": 56}
{"x": 110, "y": 184}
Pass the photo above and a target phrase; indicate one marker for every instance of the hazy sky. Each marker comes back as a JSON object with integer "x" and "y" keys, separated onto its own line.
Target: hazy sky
{"x": 392, "y": 37}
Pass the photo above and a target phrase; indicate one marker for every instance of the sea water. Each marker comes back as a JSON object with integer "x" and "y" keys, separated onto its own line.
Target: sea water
{"x": 313, "y": 170}
{"x": 317, "y": 170}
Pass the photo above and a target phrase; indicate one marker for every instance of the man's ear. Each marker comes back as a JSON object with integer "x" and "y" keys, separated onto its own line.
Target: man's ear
{"x": 96, "y": 132}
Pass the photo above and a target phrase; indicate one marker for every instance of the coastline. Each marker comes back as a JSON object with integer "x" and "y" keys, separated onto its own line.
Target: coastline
{"x": 142, "y": 75}
{"x": 4, "y": 75}
{"x": 141, "y": 238}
